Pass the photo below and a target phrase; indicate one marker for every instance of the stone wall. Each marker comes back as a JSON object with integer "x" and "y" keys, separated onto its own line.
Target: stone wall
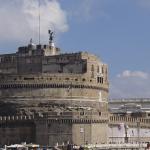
{"x": 26, "y": 90}
{"x": 53, "y": 132}
{"x": 17, "y": 132}
{"x": 78, "y": 127}
{"x": 8, "y": 64}
{"x": 74, "y": 127}
{"x": 30, "y": 64}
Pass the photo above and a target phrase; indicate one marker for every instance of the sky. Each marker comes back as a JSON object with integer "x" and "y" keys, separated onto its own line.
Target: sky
{"x": 117, "y": 31}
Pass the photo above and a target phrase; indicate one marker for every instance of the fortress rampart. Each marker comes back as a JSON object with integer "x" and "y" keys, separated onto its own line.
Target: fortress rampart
{"x": 63, "y": 125}
{"x": 71, "y": 122}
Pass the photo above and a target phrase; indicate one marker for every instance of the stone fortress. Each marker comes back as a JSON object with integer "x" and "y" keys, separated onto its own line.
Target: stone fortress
{"x": 48, "y": 97}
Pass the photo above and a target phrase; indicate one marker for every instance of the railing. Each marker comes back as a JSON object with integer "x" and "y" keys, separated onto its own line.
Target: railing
{"x": 129, "y": 100}
{"x": 118, "y": 146}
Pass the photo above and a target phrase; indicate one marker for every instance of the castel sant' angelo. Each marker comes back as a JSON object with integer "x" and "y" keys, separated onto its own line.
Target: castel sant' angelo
{"x": 48, "y": 97}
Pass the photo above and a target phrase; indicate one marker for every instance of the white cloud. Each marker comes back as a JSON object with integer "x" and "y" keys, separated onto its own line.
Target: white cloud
{"x": 130, "y": 84}
{"x": 19, "y": 19}
{"x": 88, "y": 10}
{"x": 137, "y": 74}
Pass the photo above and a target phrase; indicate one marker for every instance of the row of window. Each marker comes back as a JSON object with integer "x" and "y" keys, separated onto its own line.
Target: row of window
{"x": 100, "y": 80}
{"x": 32, "y": 78}
{"x": 7, "y": 59}
{"x": 98, "y": 69}
{"x": 63, "y": 58}
{"x": 19, "y": 86}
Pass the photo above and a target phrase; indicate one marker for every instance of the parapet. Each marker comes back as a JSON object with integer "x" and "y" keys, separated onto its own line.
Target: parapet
{"x": 33, "y": 50}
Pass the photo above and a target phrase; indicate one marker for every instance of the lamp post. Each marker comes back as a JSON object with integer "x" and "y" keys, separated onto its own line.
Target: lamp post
{"x": 138, "y": 132}
{"x": 126, "y": 133}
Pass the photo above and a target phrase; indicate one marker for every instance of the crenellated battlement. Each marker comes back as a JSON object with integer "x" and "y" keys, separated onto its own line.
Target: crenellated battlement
{"x": 64, "y": 117}
{"x": 79, "y": 117}
{"x": 7, "y": 119}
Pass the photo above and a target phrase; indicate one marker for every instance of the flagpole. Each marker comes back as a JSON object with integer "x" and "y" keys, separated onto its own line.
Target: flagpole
{"x": 39, "y": 23}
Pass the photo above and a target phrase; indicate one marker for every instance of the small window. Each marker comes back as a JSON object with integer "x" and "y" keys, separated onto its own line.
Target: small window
{"x": 83, "y": 79}
{"x": 99, "y": 113}
{"x": 28, "y": 78}
{"x": 82, "y": 113}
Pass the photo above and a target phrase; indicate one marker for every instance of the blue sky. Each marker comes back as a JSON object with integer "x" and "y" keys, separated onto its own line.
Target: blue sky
{"x": 118, "y": 31}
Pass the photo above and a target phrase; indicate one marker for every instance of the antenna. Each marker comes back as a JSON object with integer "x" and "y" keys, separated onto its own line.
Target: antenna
{"x": 39, "y": 23}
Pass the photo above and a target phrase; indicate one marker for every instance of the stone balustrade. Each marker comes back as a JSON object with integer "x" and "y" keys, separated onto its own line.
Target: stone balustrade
{"x": 131, "y": 121}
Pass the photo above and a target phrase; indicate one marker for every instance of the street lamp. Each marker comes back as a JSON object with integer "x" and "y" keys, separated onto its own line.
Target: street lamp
{"x": 126, "y": 133}
{"x": 138, "y": 132}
